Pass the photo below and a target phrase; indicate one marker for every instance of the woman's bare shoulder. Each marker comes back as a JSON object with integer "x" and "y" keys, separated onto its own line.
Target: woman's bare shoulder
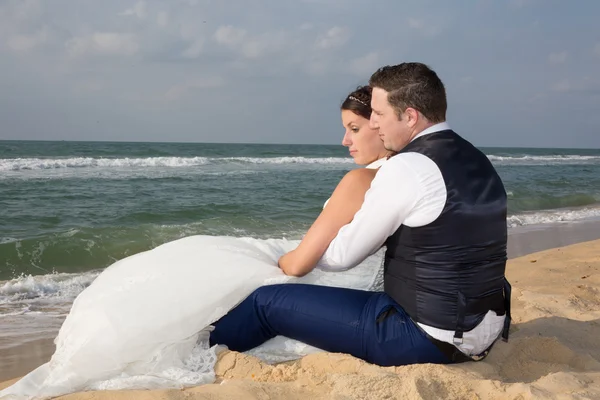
{"x": 359, "y": 176}
{"x": 355, "y": 181}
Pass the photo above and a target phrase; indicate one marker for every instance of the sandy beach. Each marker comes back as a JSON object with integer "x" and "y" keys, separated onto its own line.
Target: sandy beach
{"x": 553, "y": 351}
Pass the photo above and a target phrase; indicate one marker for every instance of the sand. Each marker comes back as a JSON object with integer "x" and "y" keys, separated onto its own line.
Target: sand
{"x": 553, "y": 351}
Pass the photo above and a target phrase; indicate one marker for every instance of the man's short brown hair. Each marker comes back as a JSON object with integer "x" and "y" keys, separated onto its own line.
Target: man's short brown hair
{"x": 413, "y": 85}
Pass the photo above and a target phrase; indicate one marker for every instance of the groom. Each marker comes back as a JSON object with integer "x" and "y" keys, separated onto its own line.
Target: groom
{"x": 439, "y": 207}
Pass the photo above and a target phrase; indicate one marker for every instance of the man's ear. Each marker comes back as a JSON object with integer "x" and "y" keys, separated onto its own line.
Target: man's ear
{"x": 411, "y": 116}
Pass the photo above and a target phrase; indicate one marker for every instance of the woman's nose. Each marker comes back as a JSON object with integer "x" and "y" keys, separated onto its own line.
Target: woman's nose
{"x": 346, "y": 140}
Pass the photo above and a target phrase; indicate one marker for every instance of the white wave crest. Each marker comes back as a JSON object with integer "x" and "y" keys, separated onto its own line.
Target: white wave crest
{"x": 552, "y": 216}
{"x": 24, "y": 164}
{"x": 290, "y": 160}
{"x": 544, "y": 160}
{"x": 18, "y": 164}
{"x": 21, "y": 164}
{"x": 42, "y": 291}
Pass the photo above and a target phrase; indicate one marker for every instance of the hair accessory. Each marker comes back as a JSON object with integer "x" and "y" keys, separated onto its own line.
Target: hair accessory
{"x": 360, "y": 101}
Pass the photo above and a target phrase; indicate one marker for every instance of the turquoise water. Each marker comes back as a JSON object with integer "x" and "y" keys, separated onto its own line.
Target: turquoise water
{"x": 71, "y": 207}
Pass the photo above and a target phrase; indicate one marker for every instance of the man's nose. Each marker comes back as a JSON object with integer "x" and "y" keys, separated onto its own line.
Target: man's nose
{"x": 373, "y": 122}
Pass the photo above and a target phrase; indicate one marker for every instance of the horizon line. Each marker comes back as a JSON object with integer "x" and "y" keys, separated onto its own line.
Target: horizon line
{"x": 262, "y": 143}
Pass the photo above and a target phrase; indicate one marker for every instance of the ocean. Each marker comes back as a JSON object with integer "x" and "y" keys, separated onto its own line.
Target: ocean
{"x": 70, "y": 209}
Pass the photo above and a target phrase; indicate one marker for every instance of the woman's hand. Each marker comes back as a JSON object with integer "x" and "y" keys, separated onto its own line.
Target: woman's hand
{"x": 286, "y": 263}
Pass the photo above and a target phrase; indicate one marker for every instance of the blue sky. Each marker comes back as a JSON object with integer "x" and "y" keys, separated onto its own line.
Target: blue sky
{"x": 517, "y": 72}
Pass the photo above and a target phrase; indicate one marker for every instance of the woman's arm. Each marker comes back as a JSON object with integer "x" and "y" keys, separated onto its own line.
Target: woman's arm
{"x": 345, "y": 201}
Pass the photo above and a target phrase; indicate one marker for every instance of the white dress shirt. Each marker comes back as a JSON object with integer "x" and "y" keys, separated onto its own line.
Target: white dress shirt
{"x": 407, "y": 190}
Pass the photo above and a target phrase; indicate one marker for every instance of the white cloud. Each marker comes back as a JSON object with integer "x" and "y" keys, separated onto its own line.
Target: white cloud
{"x": 103, "y": 43}
{"x": 427, "y": 28}
{"x": 365, "y": 65}
{"x": 25, "y": 10}
{"x": 557, "y": 58}
{"x": 562, "y": 86}
{"x": 264, "y": 44}
{"x": 585, "y": 85}
{"x": 19, "y": 18}
{"x": 322, "y": 63}
{"x": 317, "y": 67}
{"x": 416, "y": 23}
{"x": 521, "y": 3}
{"x": 254, "y": 48}
{"x": 138, "y": 10}
{"x": 177, "y": 92}
{"x": 229, "y": 35}
{"x": 334, "y": 37}
{"x": 332, "y": 4}
{"x": 195, "y": 49}
{"x": 189, "y": 30}
{"x": 162, "y": 19}
{"x": 536, "y": 97}
{"x": 88, "y": 86}
{"x": 250, "y": 46}
{"x": 303, "y": 47}
{"x": 25, "y": 43}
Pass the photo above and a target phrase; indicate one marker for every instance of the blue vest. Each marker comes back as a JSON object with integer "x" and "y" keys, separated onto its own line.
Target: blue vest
{"x": 450, "y": 273}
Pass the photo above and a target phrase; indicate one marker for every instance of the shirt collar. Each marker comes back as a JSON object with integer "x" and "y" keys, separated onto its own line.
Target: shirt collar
{"x": 442, "y": 126}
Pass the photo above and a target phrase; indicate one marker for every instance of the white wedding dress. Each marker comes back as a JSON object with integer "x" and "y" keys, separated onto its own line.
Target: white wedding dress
{"x": 144, "y": 322}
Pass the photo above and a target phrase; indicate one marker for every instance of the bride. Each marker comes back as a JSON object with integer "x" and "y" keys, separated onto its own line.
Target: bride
{"x": 145, "y": 321}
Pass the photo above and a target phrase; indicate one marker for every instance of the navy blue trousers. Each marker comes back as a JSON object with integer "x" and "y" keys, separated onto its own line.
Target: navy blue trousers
{"x": 337, "y": 320}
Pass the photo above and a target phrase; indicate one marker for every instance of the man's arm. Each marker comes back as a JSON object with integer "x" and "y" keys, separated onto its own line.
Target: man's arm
{"x": 394, "y": 192}
{"x": 345, "y": 201}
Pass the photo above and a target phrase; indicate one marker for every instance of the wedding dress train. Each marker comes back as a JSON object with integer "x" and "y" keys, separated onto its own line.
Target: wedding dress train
{"x": 144, "y": 322}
